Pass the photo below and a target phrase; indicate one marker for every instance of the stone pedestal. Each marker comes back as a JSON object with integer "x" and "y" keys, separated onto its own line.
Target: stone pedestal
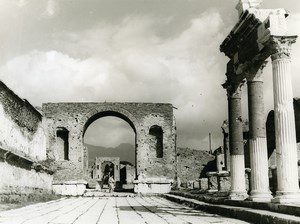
{"x": 223, "y": 181}
{"x": 212, "y": 182}
{"x": 203, "y": 183}
{"x": 286, "y": 149}
{"x": 236, "y": 144}
{"x": 258, "y": 142}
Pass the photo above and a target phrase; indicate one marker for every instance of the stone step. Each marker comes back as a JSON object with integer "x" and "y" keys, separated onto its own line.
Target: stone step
{"x": 105, "y": 193}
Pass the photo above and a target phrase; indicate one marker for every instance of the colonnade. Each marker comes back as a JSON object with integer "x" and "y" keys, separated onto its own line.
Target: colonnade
{"x": 279, "y": 48}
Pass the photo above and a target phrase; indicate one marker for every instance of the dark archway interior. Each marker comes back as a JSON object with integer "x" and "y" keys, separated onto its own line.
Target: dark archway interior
{"x": 125, "y": 155}
{"x": 62, "y": 135}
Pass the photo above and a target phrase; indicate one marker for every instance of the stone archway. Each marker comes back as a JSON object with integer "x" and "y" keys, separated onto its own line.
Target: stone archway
{"x": 110, "y": 112}
{"x": 76, "y": 117}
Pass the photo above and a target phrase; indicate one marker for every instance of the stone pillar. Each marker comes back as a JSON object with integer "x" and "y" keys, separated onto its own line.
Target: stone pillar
{"x": 286, "y": 149}
{"x": 258, "y": 142}
{"x": 236, "y": 144}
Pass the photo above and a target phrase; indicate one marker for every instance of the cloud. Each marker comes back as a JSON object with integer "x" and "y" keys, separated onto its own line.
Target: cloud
{"x": 110, "y": 132}
{"x": 130, "y": 61}
{"x": 52, "y": 8}
{"x": 21, "y": 3}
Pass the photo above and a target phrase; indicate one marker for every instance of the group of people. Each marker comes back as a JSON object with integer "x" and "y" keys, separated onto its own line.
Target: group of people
{"x": 109, "y": 179}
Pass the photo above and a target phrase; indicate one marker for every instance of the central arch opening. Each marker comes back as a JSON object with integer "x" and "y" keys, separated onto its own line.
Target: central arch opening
{"x": 110, "y": 140}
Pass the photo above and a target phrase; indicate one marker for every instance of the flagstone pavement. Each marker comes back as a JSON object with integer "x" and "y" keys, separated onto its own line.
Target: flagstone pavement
{"x": 111, "y": 210}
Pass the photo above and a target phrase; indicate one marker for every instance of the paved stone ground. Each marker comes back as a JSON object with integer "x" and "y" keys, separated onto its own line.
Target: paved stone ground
{"x": 111, "y": 210}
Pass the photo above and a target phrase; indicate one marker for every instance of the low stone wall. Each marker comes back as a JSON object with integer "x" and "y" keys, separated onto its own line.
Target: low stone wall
{"x": 153, "y": 186}
{"x": 69, "y": 188}
{"x": 217, "y": 182}
{"x": 23, "y": 179}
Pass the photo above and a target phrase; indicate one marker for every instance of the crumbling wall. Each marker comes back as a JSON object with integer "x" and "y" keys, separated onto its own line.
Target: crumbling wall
{"x": 191, "y": 163}
{"x": 22, "y": 147}
{"x": 21, "y": 129}
{"x": 76, "y": 117}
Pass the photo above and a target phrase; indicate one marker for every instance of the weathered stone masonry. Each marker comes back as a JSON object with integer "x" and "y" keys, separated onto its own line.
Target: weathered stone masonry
{"x": 142, "y": 117}
{"x": 22, "y": 147}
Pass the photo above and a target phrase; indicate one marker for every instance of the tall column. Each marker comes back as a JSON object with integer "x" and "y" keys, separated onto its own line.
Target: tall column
{"x": 258, "y": 142}
{"x": 236, "y": 144}
{"x": 286, "y": 149}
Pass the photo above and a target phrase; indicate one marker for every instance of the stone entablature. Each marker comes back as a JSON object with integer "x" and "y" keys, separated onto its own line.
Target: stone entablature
{"x": 142, "y": 117}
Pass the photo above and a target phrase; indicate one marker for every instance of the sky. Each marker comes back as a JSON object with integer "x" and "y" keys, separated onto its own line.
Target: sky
{"x": 130, "y": 51}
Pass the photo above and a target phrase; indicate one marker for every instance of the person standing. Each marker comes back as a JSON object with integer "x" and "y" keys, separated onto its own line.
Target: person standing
{"x": 111, "y": 183}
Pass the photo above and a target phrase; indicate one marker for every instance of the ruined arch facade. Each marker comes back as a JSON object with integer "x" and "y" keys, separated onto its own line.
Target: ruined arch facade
{"x": 76, "y": 117}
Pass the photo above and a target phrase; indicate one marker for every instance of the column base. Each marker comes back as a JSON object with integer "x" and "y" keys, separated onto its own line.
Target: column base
{"x": 238, "y": 196}
{"x": 284, "y": 197}
{"x": 260, "y": 196}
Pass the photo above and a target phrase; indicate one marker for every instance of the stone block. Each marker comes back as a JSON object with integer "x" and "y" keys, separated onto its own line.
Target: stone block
{"x": 224, "y": 184}
{"x": 196, "y": 184}
{"x": 70, "y": 188}
{"x": 190, "y": 184}
{"x": 203, "y": 182}
{"x": 153, "y": 186}
{"x": 213, "y": 182}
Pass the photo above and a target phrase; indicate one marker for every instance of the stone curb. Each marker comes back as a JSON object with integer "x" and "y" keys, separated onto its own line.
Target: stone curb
{"x": 273, "y": 207}
{"x": 246, "y": 214}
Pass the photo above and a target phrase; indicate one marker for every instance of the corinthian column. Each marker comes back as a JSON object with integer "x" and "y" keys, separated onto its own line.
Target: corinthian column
{"x": 258, "y": 141}
{"x": 236, "y": 144}
{"x": 286, "y": 149}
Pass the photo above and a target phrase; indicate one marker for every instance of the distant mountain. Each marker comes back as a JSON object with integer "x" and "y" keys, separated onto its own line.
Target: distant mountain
{"x": 125, "y": 151}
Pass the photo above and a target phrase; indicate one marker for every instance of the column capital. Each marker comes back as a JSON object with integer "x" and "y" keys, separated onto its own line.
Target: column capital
{"x": 233, "y": 88}
{"x": 280, "y": 46}
{"x": 254, "y": 74}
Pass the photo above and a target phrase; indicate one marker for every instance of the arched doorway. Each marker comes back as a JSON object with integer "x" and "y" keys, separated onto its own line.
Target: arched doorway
{"x": 110, "y": 140}
{"x": 153, "y": 125}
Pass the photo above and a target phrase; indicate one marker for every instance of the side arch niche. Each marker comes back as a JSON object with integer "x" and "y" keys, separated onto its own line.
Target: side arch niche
{"x": 62, "y": 143}
{"x": 156, "y": 140}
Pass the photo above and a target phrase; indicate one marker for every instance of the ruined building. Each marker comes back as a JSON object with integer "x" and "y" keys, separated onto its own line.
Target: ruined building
{"x": 260, "y": 34}
{"x": 42, "y": 151}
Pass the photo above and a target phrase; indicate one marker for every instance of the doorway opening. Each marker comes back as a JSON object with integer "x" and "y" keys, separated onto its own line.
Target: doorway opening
{"x": 110, "y": 140}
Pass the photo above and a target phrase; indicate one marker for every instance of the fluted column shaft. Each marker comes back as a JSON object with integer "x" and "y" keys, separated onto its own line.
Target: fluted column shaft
{"x": 286, "y": 149}
{"x": 258, "y": 143}
{"x": 236, "y": 144}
